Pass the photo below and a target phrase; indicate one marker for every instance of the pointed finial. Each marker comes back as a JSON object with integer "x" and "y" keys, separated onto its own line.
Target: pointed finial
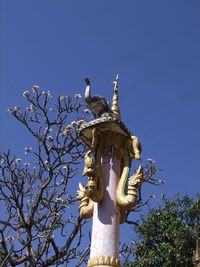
{"x": 117, "y": 78}
{"x": 115, "y": 105}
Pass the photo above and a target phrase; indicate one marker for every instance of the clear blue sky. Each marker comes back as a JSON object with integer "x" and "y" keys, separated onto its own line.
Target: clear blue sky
{"x": 153, "y": 45}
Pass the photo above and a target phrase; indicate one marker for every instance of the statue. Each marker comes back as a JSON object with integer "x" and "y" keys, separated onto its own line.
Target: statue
{"x": 97, "y": 104}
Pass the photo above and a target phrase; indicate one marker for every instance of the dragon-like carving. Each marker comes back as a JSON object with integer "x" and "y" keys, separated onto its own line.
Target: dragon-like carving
{"x": 94, "y": 190}
{"x": 134, "y": 147}
{"x": 95, "y": 185}
{"x": 128, "y": 187}
{"x": 86, "y": 204}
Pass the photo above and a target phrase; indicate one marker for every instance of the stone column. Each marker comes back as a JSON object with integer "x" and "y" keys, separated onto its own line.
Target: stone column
{"x": 105, "y": 229}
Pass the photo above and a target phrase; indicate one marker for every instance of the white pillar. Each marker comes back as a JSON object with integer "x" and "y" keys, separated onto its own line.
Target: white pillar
{"x": 105, "y": 228}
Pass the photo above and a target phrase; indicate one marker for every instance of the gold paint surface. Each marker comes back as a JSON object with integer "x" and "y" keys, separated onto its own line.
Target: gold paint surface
{"x": 104, "y": 261}
{"x": 115, "y": 99}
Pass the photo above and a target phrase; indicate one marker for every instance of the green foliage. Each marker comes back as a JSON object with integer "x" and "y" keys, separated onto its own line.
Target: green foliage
{"x": 166, "y": 236}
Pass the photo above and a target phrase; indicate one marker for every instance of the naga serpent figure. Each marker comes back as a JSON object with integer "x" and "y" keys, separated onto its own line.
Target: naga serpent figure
{"x": 94, "y": 191}
{"x": 127, "y": 189}
{"x": 86, "y": 204}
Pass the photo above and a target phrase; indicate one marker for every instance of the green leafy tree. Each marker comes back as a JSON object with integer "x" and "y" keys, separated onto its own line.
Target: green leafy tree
{"x": 166, "y": 237}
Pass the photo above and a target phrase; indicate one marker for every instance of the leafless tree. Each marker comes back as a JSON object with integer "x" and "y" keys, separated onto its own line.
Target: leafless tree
{"x": 37, "y": 225}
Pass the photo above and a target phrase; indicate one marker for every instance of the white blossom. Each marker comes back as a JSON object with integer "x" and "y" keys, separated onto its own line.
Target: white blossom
{"x": 87, "y": 110}
{"x": 26, "y": 164}
{"x": 151, "y": 161}
{"x": 61, "y": 97}
{"x": 48, "y": 147}
{"x": 16, "y": 108}
{"x": 25, "y": 93}
{"x": 47, "y": 94}
{"x": 65, "y": 168}
{"x": 13, "y": 110}
{"x": 3, "y": 161}
{"x": 62, "y": 134}
{"x": 35, "y": 88}
{"x": 66, "y": 131}
{"x": 27, "y": 150}
{"x": 77, "y": 96}
{"x": 31, "y": 108}
{"x": 10, "y": 110}
{"x": 48, "y": 130}
{"x": 50, "y": 138}
{"x": 73, "y": 123}
{"x": 162, "y": 181}
{"x": 18, "y": 160}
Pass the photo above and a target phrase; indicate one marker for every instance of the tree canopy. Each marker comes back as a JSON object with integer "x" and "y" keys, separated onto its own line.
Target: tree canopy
{"x": 167, "y": 235}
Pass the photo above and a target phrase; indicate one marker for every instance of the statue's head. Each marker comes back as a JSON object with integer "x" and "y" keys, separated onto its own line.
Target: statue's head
{"x": 89, "y": 168}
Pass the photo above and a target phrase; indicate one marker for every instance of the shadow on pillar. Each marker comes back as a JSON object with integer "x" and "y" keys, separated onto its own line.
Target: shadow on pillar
{"x": 107, "y": 210}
